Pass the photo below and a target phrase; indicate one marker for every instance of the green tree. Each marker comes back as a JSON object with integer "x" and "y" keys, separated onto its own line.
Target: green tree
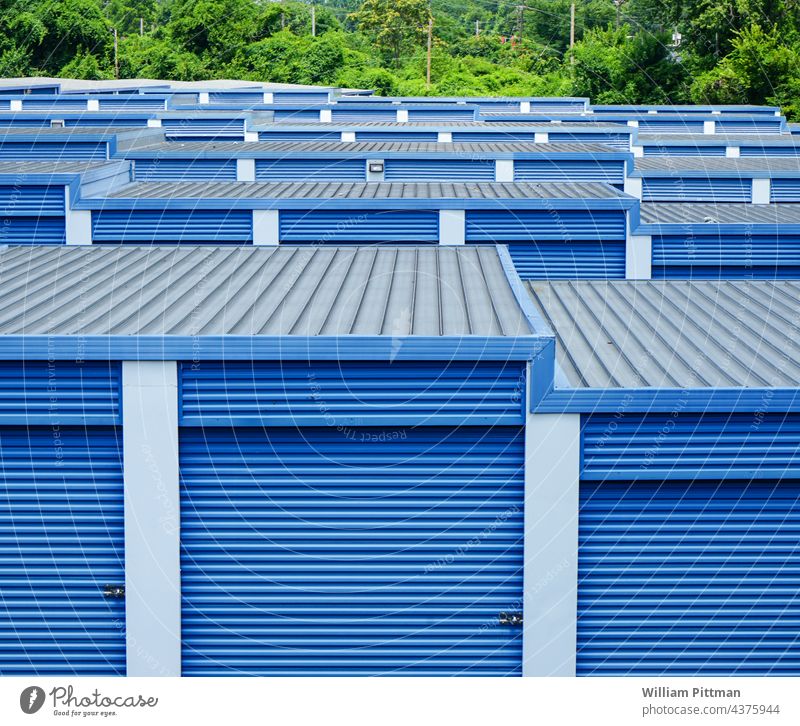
{"x": 394, "y": 25}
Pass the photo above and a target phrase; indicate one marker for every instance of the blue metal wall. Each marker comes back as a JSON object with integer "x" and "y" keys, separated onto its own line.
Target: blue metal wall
{"x": 185, "y": 169}
{"x": 290, "y": 169}
{"x": 433, "y": 169}
{"x": 178, "y": 226}
{"x": 690, "y": 189}
{"x": 366, "y": 226}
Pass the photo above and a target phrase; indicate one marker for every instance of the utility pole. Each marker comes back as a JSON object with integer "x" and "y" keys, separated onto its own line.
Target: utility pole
{"x": 477, "y": 28}
{"x": 116, "y": 55}
{"x": 141, "y": 26}
{"x": 520, "y": 20}
{"x": 430, "y": 43}
{"x": 618, "y": 3}
{"x": 313, "y": 22}
{"x": 572, "y": 32}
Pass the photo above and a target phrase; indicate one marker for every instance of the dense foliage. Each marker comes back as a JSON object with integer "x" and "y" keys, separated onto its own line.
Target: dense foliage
{"x": 730, "y": 51}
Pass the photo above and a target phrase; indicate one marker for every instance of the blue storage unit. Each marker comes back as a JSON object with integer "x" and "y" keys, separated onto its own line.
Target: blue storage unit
{"x": 692, "y": 189}
{"x": 158, "y": 169}
{"x": 298, "y": 169}
{"x": 359, "y": 225}
{"x": 443, "y": 169}
{"x": 32, "y": 213}
{"x": 570, "y": 170}
{"x": 196, "y": 226}
{"x": 45, "y": 150}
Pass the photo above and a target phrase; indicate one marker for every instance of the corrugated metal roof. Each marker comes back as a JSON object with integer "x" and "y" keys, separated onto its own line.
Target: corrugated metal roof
{"x": 554, "y": 127}
{"x": 715, "y": 139}
{"x": 66, "y": 132}
{"x": 363, "y": 190}
{"x": 197, "y": 291}
{"x": 675, "y": 334}
{"x": 467, "y": 150}
{"x": 717, "y": 163}
{"x": 723, "y": 213}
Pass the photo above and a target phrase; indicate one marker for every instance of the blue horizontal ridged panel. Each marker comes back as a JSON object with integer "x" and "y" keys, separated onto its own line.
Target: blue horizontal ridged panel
{"x": 432, "y": 169}
{"x": 499, "y": 136}
{"x": 769, "y": 150}
{"x": 541, "y": 224}
{"x": 749, "y": 126}
{"x": 51, "y": 104}
{"x": 298, "y": 98}
{"x": 569, "y": 261}
{"x": 569, "y": 170}
{"x": 689, "y": 189}
{"x": 21, "y": 121}
{"x": 185, "y": 169}
{"x": 297, "y": 116}
{"x": 683, "y": 150}
{"x": 785, "y": 190}
{"x": 725, "y": 256}
{"x": 136, "y": 103}
{"x": 209, "y": 225}
{"x": 321, "y": 225}
{"x": 61, "y": 543}
{"x": 441, "y": 115}
{"x": 689, "y": 578}
{"x": 202, "y": 129}
{"x": 109, "y": 120}
{"x": 359, "y": 115}
{"x": 236, "y": 97}
{"x": 396, "y": 136}
{"x": 662, "y": 126}
{"x": 53, "y": 150}
{"x": 32, "y": 200}
{"x": 360, "y": 551}
{"x": 33, "y": 231}
{"x": 296, "y": 393}
{"x": 618, "y": 141}
{"x": 311, "y": 169}
{"x": 690, "y": 446}
{"x": 59, "y": 391}
{"x": 300, "y": 136}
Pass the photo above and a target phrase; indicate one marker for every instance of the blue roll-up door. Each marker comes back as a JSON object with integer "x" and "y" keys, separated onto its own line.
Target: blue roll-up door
{"x": 569, "y": 170}
{"x": 726, "y": 256}
{"x": 296, "y": 115}
{"x": 299, "y": 97}
{"x": 102, "y": 122}
{"x": 618, "y": 141}
{"x": 132, "y": 103}
{"x": 555, "y": 260}
{"x": 499, "y": 136}
{"x": 687, "y": 189}
{"x": 187, "y": 226}
{"x": 432, "y": 169}
{"x": 396, "y": 136}
{"x": 655, "y": 150}
{"x": 541, "y": 224}
{"x": 770, "y": 125}
{"x": 202, "y": 129}
{"x": 33, "y": 230}
{"x": 369, "y": 226}
{"x": 443, "y": 115}
{"x": 61, "y": 528}
{"x": 361, "y": 114}
{"x": 667, "y": 126}
{"x": 688, "y": 553}
{"x": 240, "y": 98}
{"x": 51, "y": 104}
{"x": 785, "y": 190}
{"x": 53, "y": 150}
{"x": 185, "y": 169}
{"x": 290, "y": 169}
{"x": 299, "y": 136}
{"x": 32, "y": 200}
{"x": 769, "y": 150}
{"x": 317, "y": 551}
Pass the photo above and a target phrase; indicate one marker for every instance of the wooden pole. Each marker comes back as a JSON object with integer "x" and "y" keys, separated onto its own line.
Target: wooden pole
{"x": 116, "y": 55}
{"x": 430, "y": 43}
{"x": 572, "y": 32}
{"x": 141, "y": 26}
{"x": 313, "y": 21}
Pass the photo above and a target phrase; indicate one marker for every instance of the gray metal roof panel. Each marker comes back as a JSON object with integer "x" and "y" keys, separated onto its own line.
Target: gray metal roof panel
{"x": 467, "y": 150}
{"x": 674, "y": 334}
{"x": 716, "y": 139}
{"x": 717, "y": 163}
{"x": 723, "y": 213}
{"x": 364, "y": 190}
{"x": 55, "y": 167}
{"x": 499, "y": 126}
{"x": 279, "y": 291}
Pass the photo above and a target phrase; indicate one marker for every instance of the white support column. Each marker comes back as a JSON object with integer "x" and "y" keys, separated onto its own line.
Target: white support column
{"x": 77, "y": 222}
{"x": 375, "y": 169}
{"x": 652, "y": 110}
{"x": 93, "y": 104}
{"x": 349, "y": 137}
{"x": 251, "y": 136}
{"x": 452, "y": 227}
{"x": 761, "y": 191}
{"x": 732, "y": 152}
{"x": 524, "y": 106}
{"x": 265, "y": 227}
{"x": 203, "y": 97}
{"x": 638, "y": 151}
{"x": 550, "y": 574}
{"x": 504, "y": 170}
{"x": 633, "y": 123}
{"x": 325, "y": 115}
{"x": 152, "y": 518}
{"x": 402, "y": 115}
{"x": 638, "y": 255}
{"x": 541, "y": 137}
{"x": 716, "y": 113}
{"x": 269, "y": 97}
{"x": 154, "y": 123}
{"x": 444, "y": 137}
{"x": 15, "y": 105}
{"x": 633, "y": 186}
{"x": 709, "y": 127}
{"x": 246, "y": 170}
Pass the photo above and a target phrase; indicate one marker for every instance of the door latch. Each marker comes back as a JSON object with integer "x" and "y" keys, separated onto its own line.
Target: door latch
{"x": 115, "y": 592}
{"x": 510, "y": 618}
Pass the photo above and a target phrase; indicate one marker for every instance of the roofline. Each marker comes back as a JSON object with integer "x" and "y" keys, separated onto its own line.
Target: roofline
{"x": 270, "y": 347}
{"x": 703, "y": 229}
